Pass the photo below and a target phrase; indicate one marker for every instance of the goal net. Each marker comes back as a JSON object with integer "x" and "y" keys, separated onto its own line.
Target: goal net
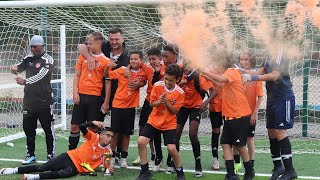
{"x": 200, "y": 26}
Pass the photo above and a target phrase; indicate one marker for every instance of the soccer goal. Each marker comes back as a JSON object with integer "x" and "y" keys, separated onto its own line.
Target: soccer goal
{"x": 154, "y": 23}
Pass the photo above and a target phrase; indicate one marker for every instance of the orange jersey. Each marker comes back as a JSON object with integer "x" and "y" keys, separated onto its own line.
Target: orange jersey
{"x": 125, "y": 97}
{"x": 216, "y": 104}
{"x": 162, "y": 71}
{"x": 90, "y": 81}
{"x": 149, "y": 72}
{"x": 253, "y": 89}
{"x": 234, "y": 101}
{"x": 161, "y": 118}
{"x": 192, "y": 99}
{"x": 89, "y": 152}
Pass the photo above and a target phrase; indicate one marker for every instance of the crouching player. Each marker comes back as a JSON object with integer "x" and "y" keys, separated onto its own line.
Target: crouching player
{"x": 166, "y": 100}
{"x": 69, "y": 164}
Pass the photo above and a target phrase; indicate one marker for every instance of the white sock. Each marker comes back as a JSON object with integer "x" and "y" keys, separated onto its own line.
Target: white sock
{"x": 8, "y": 170}
{"x": 32, "y": 176}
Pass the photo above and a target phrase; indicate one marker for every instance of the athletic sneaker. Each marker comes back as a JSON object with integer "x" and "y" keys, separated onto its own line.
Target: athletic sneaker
{"x": 136, "y": 162}
{"x": 123, "y": 163}
{"x": 215, "y": 164}
{"x": 277, "y": 172}
{"x": 248, "y": 176}
{"x": 30, "y": 177}
{"x": 29, "y": 160}
{"x": 144, "y": 175}
{"x": 228, "y": 177}
{"x": 4, "y": 171}
{"x": 113, "y": 161}
{"x": 237, "y": 167}
{"x": 157, "y": 165}
{"x": 49, "y": 157}
{"x": 181, "y": 177}
{"x": 151, "y": 164}
{"x": 117, "y": 160}
{"x": 288, "y": 175}
{"x": 170, "y": 170}
{"x": 198, "y": 174}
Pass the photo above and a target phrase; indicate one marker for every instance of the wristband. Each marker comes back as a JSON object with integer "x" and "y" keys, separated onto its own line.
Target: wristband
{"x": 254, "y": 77}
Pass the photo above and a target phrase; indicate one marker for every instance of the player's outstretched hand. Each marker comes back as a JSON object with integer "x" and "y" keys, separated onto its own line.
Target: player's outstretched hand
{"x": 91, "y": 62}
{"x": 246, "y": 77}
{"x": 14, "y": 69}
{"x": 99, "y": 124}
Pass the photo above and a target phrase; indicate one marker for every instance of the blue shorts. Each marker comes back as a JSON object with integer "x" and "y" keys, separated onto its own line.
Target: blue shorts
{"x": 280, "y": 115}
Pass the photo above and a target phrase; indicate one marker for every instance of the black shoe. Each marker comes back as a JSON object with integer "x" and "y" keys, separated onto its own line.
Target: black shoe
{"x": 228, "y": 177}
{"x": 276, "y": 172}
{"x": 144, "y": 175}
{"x": 181, "y": 177}
{"x": 288, "y": 175}
{"x": 248, "y": 176}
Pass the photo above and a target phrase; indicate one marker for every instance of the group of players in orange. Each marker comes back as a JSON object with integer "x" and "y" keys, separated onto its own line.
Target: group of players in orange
{"x": 174, "y": 94}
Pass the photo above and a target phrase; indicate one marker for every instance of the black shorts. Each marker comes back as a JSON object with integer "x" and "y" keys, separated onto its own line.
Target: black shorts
{"x": 216, "y": 119}
{"x": 87, "y": 110}
{"x": 145, "y": 112}
{"x": 169, "y": 136}
{"x": 122, "y": 120}
{"x": 183, "y": 114}
{"x": 235, "y": 132}
{"x": 252, "y": 131}
{"x": 280, "y": 115}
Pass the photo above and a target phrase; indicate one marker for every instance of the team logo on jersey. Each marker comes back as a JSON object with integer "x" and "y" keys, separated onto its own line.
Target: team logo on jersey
{"x": 172, "y": 101}
{"x": 98, "y": 64}
{"x": 38, "y": 65}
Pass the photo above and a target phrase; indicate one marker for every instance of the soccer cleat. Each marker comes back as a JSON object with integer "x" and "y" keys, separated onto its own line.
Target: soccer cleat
{"x": 29, "y": 160}
{"x": 170, "y": 170}
{"x": 123, "y": 163}
{"x": 228, "y": 177}
{"x": 198, "y": 174}
{"x": 248, "y": 176}
{"x": 237, "y": 167}
{"x": 288, "y": 175}
{"x": 144, "y": 175}
{"x": 276, "y": 172}
{"x": 30, "y": 177}
{"x": 136, "y": 162}
{"x": 151, "y": 164}
{"x": 49, "y": 157}
{"x": 157, "y": 165}
{"x": 4, "y": 171}
{"x": 117, "y": 160}
{"x": 87, "y": 166}
{"x": 215, "y": 164}
{"x": 181, "y": 176}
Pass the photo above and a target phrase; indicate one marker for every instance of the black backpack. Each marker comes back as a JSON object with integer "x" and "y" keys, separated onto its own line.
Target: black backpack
{"x": 196, "y": 83}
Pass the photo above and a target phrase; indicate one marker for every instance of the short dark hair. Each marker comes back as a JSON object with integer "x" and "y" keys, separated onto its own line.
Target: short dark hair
{"x": 173, "y": 70}
{"x": 252, "y": 59}
{"x": 115, "y": 31}
{"x": 106, "y": 129}
{"x": 97, "y": 36}
{"x": 229, "y": 62}
{"x": 137, "y": 52}
{"x": 154, "y": 51}
{"x": 172, "y": 48}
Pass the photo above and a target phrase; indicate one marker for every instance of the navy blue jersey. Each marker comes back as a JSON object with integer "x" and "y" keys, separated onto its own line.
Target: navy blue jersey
{"x": 281, "y": 89}
{"x": 37, "y": 90}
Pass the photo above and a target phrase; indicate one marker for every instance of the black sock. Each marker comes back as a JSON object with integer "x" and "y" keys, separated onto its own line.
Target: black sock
{"x": 236, "y": 158}
{"x": 215, "y": 144}
{"x": 230, "y": 167}
{"x": 196, "y": 154}
{"x": 153, "y": 157}
{"x": 275, "y": 153}
{"x": 252, "y": 162}
{"x": 124, "y": 154}
{"x": 113, "y": 154}
{"x": 74, "y": 140}
{"x": 169, "y": 161}
{"x": 286, "y": 153}
{"x": 248, "y": 167}
{"x": 145, "y": 167}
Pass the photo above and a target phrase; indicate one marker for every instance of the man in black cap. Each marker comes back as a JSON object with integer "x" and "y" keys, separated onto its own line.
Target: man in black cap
{"x": 37, "y": 96}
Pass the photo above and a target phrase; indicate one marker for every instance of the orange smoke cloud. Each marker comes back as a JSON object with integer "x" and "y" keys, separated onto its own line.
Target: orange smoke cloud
{"x": 309, "y": 3}
{"x": 316, "y": 17}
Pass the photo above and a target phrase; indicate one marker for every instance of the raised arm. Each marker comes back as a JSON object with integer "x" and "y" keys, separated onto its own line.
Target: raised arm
{"x": 85, "y": 52}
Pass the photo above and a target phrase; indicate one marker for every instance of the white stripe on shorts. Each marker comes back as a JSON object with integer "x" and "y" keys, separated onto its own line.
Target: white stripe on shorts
{"x": 288, "y": 111}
